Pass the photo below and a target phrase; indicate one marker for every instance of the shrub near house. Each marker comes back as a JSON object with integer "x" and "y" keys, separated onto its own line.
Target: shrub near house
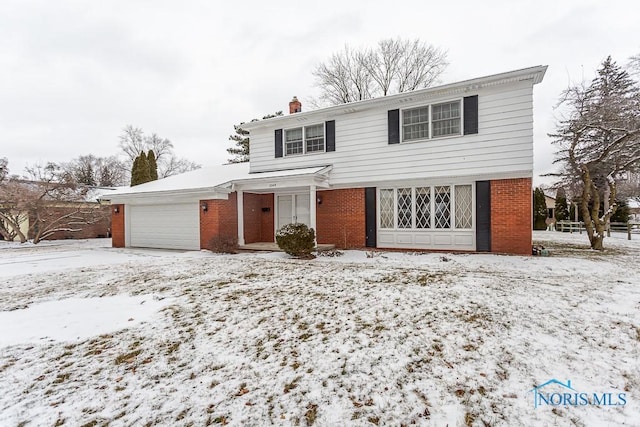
{"x": 296, "y": 240}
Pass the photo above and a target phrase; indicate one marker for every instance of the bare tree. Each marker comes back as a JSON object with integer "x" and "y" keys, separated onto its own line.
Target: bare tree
{"x": 629, "y": 187}
{"x": 133, "y": 142}
{"x": 394, "y": 66}
{"x": 12, "y": 214}
{"x": 634, "y": 64}
{"x": 598, "y": 143}
{"x": 4, "y": 168}
{"x": 97, "y": 171}
{"x": 50, "y": 204}
{"x": 174, "y": 165}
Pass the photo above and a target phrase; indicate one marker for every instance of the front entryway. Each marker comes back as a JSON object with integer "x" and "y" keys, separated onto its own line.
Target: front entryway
{"x": 293, "y": 208}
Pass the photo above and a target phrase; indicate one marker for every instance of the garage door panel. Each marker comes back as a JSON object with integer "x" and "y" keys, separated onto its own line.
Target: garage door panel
{"x": 167, "y": 226}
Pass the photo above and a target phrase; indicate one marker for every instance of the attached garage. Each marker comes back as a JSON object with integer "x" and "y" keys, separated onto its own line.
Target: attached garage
{"x": 165, "y": 226}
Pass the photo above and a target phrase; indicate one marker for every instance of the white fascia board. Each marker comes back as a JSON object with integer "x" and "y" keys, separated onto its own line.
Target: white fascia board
{"x": 280, "y": 183}
{"x": 534, "y": 74}
{"x": 437, "y": 180}
{"x": 167, "y": 197}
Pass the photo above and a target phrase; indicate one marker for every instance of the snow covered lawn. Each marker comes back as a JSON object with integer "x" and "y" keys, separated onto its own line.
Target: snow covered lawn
{"x": 144, "y": 337}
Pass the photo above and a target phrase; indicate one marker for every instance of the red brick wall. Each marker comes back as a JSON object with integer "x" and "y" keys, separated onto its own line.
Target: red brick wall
{"x": 340, "y": 218}
{"x": 220, "y": 219}
{"x": 258, "y": 225}
{"x": 511, "y": 213}
{"x": 117, "y": 226}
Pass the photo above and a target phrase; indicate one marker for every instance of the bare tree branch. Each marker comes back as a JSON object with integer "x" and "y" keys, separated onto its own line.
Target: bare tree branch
{"x": 394, "y": 66}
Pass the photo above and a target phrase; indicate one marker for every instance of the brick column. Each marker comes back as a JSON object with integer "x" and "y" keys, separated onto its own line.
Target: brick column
{"x": 511, "y": 216}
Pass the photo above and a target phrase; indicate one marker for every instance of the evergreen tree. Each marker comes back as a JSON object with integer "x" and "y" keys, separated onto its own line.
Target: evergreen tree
{"x": 153, "y": 166}
{"x": 135, "y": 176}
{"x": 539, "y": 210}
{"x": 241, "y": 140}
{"x": 622, "y": 213}
{"x": 140, "y": 170}
{"x": 85, "y": 175}
{"x": 561, "y": 210}
{"x": 572, "y": 212}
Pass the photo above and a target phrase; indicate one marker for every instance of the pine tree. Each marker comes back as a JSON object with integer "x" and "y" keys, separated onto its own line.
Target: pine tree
{"x": 241, "y": 140}
{"x": 622, "y": 213}
{"x": 539, "y": 210}
{"x": 572, "y": 212}
{"x": 153, "y": 166}
{"x": 140, "y": 170}
{"x": 135, "y": 176}
{"x": 561, "y": 210}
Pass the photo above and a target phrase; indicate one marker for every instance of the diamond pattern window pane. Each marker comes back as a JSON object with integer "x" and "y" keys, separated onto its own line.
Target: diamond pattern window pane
{"x": 386, "y": 208}
{"x": 423, "y": 207}
{"x": 442, "y": 199}
{"x": 405, "y": 209}
{"x": 464, "y": 212}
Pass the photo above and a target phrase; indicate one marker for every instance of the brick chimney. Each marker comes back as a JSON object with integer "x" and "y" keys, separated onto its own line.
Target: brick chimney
{"x": 295, "y": 106}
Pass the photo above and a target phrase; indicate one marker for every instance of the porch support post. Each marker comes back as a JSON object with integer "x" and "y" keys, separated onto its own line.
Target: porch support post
{"x": 240, "y": 202}
{"x": 312, "y": 209}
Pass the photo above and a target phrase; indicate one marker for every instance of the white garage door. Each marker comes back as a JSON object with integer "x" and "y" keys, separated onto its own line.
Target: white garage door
{"x": 170, "y": 226}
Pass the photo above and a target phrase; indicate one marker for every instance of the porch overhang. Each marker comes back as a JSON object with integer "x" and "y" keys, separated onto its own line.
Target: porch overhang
{"x": 291, "y": 179}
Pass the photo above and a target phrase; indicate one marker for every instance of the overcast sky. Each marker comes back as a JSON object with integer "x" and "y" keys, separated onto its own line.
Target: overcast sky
{"x": 74, "y": 73}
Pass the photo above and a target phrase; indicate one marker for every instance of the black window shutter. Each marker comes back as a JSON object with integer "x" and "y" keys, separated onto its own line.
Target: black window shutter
{"x": 278, "y": 142}
{"x": 483, "y": 216}
{"x": 394, "y": 126}
{"x": 470, "y": 114}
{"x": 370, "y": 216}
{"x": 330, "y": 128}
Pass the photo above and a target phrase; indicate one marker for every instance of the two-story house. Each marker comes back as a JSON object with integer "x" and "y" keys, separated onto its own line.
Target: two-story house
{"x": 444, "y": 168}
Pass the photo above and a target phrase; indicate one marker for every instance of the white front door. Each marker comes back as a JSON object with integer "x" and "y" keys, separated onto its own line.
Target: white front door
{"x": 293, "y": 208}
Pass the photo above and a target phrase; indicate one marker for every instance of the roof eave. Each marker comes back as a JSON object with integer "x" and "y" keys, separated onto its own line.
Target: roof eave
{"x": 536, "y": 74}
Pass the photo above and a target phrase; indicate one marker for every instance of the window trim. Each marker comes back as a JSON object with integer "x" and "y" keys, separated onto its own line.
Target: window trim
{"x": 430, "y": 136}
{"x": 453, "y": 226}
{"x": 460, "y": 119}
{"x": 304, "y": 140}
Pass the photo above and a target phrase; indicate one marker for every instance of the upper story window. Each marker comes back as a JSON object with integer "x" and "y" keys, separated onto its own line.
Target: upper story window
{"x": 445, "y": 119}
{"x": 293, "y": 141}
{"x": 302, "y": 140}
{"x": 415, "y": 123}
{"x": 432, "y": 121}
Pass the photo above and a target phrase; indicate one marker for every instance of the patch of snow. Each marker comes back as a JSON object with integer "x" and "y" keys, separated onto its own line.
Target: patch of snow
{"x": 367, "y": 338}
{"x": 75, "y": 319}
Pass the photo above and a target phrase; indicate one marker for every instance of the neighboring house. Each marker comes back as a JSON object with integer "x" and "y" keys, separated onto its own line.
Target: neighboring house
{"x": 634, "y": 210}
{"x": 443, "y": 168}
{"x": 92, "y": 221}
{"x": 551, "y": 210}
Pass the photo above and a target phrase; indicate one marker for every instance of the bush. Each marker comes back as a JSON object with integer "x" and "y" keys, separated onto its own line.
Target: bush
{"x": 223, "y": 245}
{"x": 296, "y": 239}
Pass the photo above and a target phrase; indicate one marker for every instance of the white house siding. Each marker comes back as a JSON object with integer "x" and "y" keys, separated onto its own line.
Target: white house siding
{"x": 503, "y": 146}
